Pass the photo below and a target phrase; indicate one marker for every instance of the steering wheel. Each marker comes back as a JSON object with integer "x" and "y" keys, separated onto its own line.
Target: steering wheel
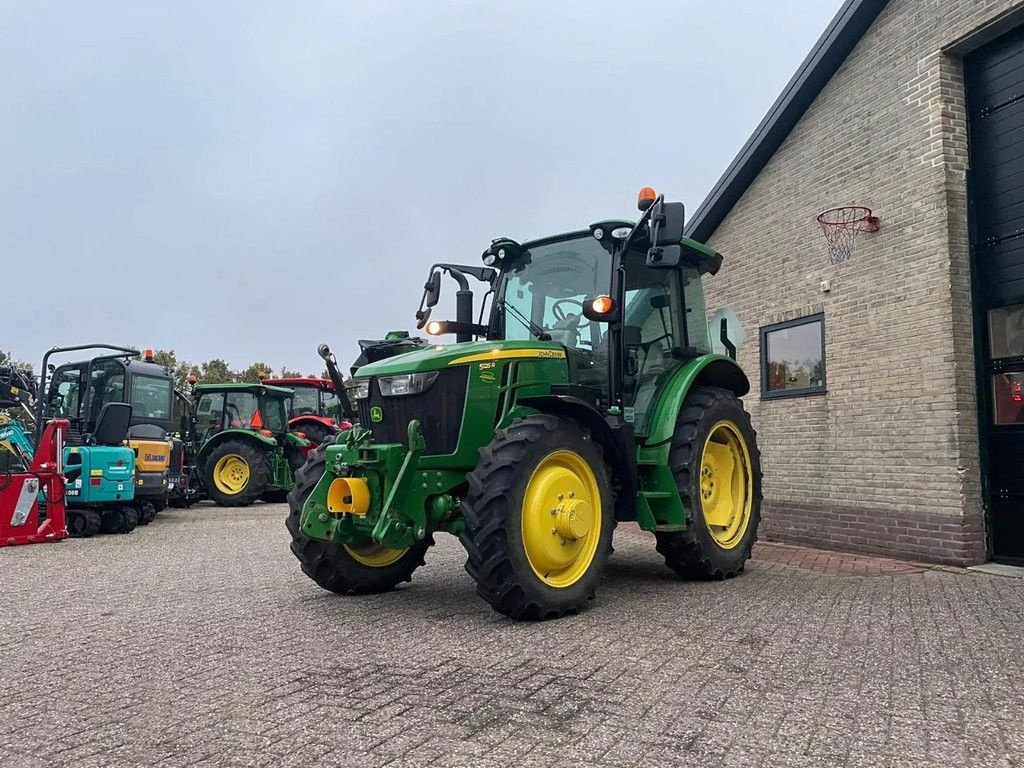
{"x": 559, "y": 313}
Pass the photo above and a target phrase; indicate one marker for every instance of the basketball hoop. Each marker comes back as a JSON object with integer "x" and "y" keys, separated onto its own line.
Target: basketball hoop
{"x": 841, "y": 225}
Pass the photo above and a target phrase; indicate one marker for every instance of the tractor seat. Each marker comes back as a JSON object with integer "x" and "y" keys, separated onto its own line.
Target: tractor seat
{"x": 566, "y": 331}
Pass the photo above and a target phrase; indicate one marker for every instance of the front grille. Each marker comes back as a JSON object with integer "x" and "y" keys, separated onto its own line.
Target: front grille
{"x": 439, "y": 411}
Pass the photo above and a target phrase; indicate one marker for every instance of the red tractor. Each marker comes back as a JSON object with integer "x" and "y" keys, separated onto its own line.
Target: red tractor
{"x": 316, "y": 410}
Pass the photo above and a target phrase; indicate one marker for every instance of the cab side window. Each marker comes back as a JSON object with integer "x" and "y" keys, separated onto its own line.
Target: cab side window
{"x": 209, "y": 414}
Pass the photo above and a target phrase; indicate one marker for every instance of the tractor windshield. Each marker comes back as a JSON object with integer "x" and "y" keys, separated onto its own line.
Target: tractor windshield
{"x": 546, "y": 287}
{"x": 305, "y": 400}
{"x": 332, "y": 406}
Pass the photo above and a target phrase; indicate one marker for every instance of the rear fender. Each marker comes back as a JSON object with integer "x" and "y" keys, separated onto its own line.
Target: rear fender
{"x": 296, "y": 424}
{"x": 264, "y": 442}
{"x": 704, "y": 371}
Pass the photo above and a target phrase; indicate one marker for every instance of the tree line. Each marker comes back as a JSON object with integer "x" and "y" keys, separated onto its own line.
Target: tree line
{"x": 214, "y": 371}
{"x": 217, "y": 371}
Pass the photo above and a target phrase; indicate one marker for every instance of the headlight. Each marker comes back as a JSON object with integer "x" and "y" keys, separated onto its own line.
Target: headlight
{"x": 358, "y": 389}
{"x": 406, "y": 383}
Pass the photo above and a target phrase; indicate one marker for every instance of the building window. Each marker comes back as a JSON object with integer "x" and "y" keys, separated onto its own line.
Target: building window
{"x": 793, "y": 358}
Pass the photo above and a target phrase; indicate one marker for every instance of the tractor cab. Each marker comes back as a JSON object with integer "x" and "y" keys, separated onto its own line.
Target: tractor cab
{"x": 624, "y": 301}
{"x": 258, "y": 407}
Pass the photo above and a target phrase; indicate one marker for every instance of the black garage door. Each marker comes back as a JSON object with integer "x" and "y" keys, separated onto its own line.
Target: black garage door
{"x": 995, "y": 101}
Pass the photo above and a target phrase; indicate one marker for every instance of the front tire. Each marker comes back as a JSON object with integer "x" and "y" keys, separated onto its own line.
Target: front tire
{"x": 717, "y": 468}
{"x": 236, "y": 473}
{"x": 539, "y": 519}
{"x": 346, "y": 569}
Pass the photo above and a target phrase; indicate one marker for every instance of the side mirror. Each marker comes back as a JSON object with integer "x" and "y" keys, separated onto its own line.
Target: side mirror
{"x": 433, "y": 289}
{"x": 667, "y": 223}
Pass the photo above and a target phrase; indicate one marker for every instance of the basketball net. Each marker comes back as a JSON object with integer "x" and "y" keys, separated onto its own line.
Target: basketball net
{"x": 841, "y": 225}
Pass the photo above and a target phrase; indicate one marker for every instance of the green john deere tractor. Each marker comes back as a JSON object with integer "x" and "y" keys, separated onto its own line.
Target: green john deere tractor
{"x": 238, "y": 447}
{"x": 590, "y": 396}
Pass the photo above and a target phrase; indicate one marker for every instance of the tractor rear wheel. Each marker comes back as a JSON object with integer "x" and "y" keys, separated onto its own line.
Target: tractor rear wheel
{"x": 347, "y": 569}
{"x": 539, "y": 518}
{"x": 717, "y": 467}
{"x": 236, "y": 473}
{"x": 315, "y": 432}
{"x": 83, "y": 523}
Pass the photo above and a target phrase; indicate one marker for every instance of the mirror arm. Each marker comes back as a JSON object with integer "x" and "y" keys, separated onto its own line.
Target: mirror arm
{"x": 724, "y": 337}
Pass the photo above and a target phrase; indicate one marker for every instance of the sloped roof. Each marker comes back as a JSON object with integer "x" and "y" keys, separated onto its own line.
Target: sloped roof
{"x": 828, "y": 54}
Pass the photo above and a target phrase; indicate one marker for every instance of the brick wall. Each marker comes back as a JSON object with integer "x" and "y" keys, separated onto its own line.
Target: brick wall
{"x": 887, "y": 460}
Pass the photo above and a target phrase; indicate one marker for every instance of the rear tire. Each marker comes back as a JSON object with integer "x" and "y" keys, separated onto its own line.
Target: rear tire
{"x": 334, "y": 566}
{"x": 220, "y": 464}
{"x": 527, "y": 556}
{"x": 703, "y": 550}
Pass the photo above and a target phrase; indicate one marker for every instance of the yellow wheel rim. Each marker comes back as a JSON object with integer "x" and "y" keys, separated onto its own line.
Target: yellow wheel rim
{"x": 231, "y": 474}
{"x": 561, "y": 519}
{"x": 374, "y": 555}
{"x": 726, "y": 484}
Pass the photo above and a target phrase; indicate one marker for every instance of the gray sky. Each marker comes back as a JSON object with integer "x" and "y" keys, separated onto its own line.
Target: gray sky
{"x": 245, "y": 180}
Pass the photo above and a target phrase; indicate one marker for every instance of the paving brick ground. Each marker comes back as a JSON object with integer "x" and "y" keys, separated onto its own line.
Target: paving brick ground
{"x": 833, "y": 563}
{"x": 197, "y": 641}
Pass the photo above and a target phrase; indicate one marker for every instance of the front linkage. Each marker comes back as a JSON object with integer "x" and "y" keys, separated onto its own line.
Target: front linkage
{"x": 378, "y": 493}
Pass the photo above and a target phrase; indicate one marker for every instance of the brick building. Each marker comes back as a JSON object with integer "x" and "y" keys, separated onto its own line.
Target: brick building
{"x": 890, "y": 414}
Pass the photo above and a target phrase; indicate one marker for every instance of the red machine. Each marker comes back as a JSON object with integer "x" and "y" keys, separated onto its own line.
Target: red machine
{"x": 21, "y": 518}
{"x": 315, "y": 407}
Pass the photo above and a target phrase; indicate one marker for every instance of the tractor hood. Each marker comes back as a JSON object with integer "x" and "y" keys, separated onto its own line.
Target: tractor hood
{"x": 441, "y": 356}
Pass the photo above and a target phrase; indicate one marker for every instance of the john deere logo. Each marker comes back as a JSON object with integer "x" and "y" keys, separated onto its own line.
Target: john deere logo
{"x": 376, "y": 414}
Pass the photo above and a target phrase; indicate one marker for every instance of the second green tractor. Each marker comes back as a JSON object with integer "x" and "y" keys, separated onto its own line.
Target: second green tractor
{"x": 238, "y": 447}
{"x": 586, "y": 395}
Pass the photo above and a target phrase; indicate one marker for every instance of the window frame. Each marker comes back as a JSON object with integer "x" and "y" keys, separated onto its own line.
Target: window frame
{"x": 779, "y": 394}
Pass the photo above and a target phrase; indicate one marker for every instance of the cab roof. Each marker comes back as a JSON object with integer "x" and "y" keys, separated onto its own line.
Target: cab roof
{"x": 256, "y": 389}
{"x": 302, "y": 381}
